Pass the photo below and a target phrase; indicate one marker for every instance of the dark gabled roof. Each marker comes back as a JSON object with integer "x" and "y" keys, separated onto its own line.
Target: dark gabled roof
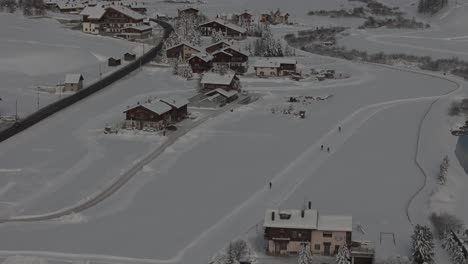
{"x": 186, "y": 44}
{"x": 236, "y": 50}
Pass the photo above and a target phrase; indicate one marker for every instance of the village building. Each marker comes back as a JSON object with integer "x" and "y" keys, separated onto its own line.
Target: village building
{"x": 113, "y": 62}
{"x": 217, "y": 46}
{"x": 114, "y": 20}
{"x": 239, "y": 59}
{"x": 190, "y": 11}
{"x": 275, "y": 67}
{"x": 222, "y": 97}
{"x": 275, "y": 18}
{"x": 213, "y": 80}
{"x": 245, "y": 19}
{"x": 287, "y": 231}
{"x": 229, "y": 30}
{"x": 200, "y": 62}
{"x": 152, "y": 114}
{"x": 179, "y": 107}
{"x": 129, "y": 56}
{"x": 221, "y": 58}
{"x": 73, "y": 82}
{"x": 183, "y": 50}
{"x": 70, "y": 7}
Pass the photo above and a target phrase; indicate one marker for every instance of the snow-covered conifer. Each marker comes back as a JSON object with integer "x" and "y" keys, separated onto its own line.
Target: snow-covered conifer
{"x": 423, "y": 245}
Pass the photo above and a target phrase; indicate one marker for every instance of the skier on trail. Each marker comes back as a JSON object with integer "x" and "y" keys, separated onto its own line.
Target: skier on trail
{"x": 321, "y": 148}
{"x": 339, "y": 128}
{"x": 271, "y": 185}
{"x": 328, "y": 149}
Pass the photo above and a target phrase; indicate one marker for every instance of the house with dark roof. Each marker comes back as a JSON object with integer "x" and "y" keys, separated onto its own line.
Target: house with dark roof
{"x": 189, "y": 11}
{"x": 179, "y": 107}
{"x": 152, "y": 114}
{"x": 229, "y": 30}
{"x": 182, "y": 50}
{"x": 73, "y": 82}
{"x": 214, "y": 80}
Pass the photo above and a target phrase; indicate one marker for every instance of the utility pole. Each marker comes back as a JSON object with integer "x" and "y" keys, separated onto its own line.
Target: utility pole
{"x": 16, "y": 110}
{"x": 38, "y": 98}
{"x": 100, "y": 72}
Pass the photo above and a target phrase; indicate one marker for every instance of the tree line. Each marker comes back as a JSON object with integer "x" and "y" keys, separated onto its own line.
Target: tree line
{"x": 28, "y": 7}
{"x": 431, "y": 6}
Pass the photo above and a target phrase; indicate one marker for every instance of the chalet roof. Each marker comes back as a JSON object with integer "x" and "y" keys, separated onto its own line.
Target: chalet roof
{"x": 128, "y": 12}
{"x": 217, "y": 43}
{"x": 175, "y": 101}
{"x": 273, "y": 63}
{"x": 335, "y": 223}
{"x": 237, "y": 50}
{"x": 226, "y": 24}
{"x": 68, "y": 5}
{"x": 155, "y": 106}
{"x": 186, "y": 44}
{"x": 221, "y": 51}
{"x": 73, "y": 78}
{"x": 93, "y": 12}
{"x": 309, "y": 221}
{"x": 227, "y": 94}
{"x": 202, "y": 56}
{"x": 216, "y": 78}
{"x": 188, "y": 8}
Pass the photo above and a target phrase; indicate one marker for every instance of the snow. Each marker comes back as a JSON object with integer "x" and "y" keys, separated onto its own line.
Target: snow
{"x": 93, "y": 12}
{"x": 73, "y": 78}
{"x": 227, "y": 94}
{"x": 309, "y": 221}
{"x": 154, "y": 106}
{"x": 226, "y": 24}
{"x": 127, "y": 12}
{"x": 175, "y": 101}
{"x": 216, "y": 78}
{"x": 335, "y": 223}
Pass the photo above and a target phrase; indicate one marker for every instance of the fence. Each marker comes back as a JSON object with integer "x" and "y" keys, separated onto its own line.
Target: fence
{"x": 53, "y": 108}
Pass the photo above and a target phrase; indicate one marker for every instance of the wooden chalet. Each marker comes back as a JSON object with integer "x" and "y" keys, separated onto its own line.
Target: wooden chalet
{"x": 179, "y": 107}
{"x": 239, "y": 60}
{"x": 275, "y": 67}
{"x": 214, "y": 80}
{"x": 200, "y": 62}
{"x": 73, "y": 82}
{"x": 183, "y": 50}
{"x": 288, "y": 231}
{"x": 221, "y": 57}
{"x": 129, "y": 56}
{"x": 136, "y": 32}
{"x": 190, "y": 11}
{"x": 153, "y": 114}
{"x": 217, "y": 46}
{"x": 245, "y": 18}
{"x": 229, "y": 30}
{"x": 221, "y": 97}
{"x": 275, "y": 17}
{"x": 113, "y": 62}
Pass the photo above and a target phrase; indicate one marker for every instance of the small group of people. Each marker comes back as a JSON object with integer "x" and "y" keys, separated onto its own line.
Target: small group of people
{"x": 328, "y": 148}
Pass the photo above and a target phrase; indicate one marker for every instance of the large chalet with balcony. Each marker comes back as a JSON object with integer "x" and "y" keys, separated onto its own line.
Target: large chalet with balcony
{"x": 182, "y": 50}
{"x": 114, "y": 20}
{"x": 229, "y": 30}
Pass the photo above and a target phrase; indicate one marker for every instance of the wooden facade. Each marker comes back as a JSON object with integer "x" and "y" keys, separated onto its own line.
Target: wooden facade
{"x": 129, "y": 56}
{"x": 112, "y": 62}
{"x": 199, "y": 65}
{"x": 182, "y": 50}
{"x": 216, "y": 46}
{"x": 222, "y": 57}
{"x": 188, "y": 12}
{"x": 140, "y": 117}
{"x": 228, "y": 30}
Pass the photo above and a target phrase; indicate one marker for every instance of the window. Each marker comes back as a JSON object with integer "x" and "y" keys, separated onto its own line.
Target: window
{"x": 327, "y": 234}
{"x": 283, "y": 245}
{"x": 317, "y": 247}
{"x": 294, "y": 234}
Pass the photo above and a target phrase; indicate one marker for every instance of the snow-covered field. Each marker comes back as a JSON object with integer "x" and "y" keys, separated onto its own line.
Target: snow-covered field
{"x": 211, "y": 185}
{"x": 40, "y": 52}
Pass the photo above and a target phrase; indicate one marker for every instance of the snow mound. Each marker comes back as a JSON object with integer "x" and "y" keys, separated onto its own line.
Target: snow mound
{"x": 24, "y": 260}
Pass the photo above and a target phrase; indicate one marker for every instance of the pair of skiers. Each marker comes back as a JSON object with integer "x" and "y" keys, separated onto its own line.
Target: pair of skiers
{"x": 328, "y": 148}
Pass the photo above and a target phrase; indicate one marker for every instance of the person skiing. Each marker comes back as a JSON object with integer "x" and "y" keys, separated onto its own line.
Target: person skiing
{"x": 321, "y": 148}
{"x": 339, "y": 128}
{"x": 271, "y": 185}
{"x": 328, "y": 149}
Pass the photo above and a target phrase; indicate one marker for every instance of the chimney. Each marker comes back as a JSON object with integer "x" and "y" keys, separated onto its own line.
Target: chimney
{"x": 302, "y": 213}
{"x": 310, "y": 205}
{"x": 272, "y": 216}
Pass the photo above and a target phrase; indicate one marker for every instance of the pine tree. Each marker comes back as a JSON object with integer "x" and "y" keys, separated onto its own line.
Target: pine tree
{"x": 343, "y": 255}
{"x": 454, "y": 249}
{"x": 304, "y": 256}
{"x": 216, "y": 36}
{"x": 443, "y": 170}
{"x": 423, "y": 245}
{"x": 164, "y": 58}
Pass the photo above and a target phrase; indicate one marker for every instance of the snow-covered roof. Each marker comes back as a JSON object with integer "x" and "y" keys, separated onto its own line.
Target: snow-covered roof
{"x": 335, "y": 223}
{"x": 237, "y": 50}
{"x": 175, "y": 101}
{"x": 127, "y": 11}
{"x": 186, "y": 44}
{"x": 309, "y": 221}
{"x": 222, "y": 51}
{"x": 216, "y": 78}
{"x": 217, "y": 43}
{"x": 227, "y": 94}
{"x": 202, "y": 56}
{"x": 68, "y": 5}
{"x": 73, "y": 78}
{"x": 226, "y": 24}
{"x": 273, "y": 63}
{"x": 93, "y": 12}
{"x": 266, "y": 64}
{"x": 154, "y": 106}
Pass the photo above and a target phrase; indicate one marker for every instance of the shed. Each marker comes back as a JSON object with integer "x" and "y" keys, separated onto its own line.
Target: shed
{"x": 229, "y": 96}
{"x": 213, "y": 80}
{"x": 73, "y": 82}
{"x": 129, "y": 56}
{"x": 112, "y": 62}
